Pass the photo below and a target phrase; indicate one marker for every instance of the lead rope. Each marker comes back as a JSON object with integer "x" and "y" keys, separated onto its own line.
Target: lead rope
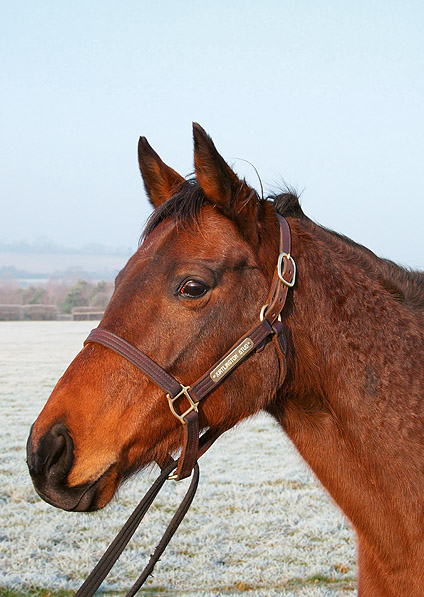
{"x": 170, "y": 530}
{"x": 105, "y": 564}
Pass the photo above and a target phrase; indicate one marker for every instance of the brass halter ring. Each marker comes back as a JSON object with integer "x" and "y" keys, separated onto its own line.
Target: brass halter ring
{"x": 262, "y": 313}
{"x": 193, "y": 405}
{"x": 280, "y": 269}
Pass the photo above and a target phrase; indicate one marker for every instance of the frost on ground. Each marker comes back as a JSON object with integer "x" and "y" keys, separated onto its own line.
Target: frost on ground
{"x": 259, "y": 524}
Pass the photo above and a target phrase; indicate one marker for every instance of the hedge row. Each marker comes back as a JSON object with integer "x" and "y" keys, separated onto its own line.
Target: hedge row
{"x": 28, "y": 312}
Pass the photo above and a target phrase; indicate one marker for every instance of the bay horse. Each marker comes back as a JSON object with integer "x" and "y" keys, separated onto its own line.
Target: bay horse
{"x": 348, "y": 390}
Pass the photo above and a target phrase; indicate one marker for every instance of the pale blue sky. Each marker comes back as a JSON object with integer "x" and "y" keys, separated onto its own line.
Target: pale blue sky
{"x": 326, "y": 94}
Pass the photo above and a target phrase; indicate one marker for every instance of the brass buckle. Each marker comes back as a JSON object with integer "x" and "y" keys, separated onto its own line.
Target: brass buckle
{"x": 280, "y": 272}
{"x": 193, "y": 405}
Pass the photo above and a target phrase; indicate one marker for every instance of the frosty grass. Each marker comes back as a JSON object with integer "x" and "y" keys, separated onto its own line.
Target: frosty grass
{"x": 259, "y": 524}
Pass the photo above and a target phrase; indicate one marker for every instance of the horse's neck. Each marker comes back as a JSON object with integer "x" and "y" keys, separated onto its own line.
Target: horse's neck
{"x": 352, "y": 402}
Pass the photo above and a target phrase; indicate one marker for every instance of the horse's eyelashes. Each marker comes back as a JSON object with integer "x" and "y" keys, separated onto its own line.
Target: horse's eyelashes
{"x": 193, "y": 289}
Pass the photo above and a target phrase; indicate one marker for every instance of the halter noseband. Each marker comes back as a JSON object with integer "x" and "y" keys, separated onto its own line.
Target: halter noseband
{"x": 269, "y": 326}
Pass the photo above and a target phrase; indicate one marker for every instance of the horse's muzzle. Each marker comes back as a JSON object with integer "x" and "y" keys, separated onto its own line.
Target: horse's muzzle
{"x": 49, "y": 464}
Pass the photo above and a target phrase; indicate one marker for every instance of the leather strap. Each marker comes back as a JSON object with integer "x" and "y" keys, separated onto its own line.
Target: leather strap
{"x": 105, "y": 564}
{"x": 190, "y": 449}
{"x": 279, "y": 287}
{"x": 161, "y": 377}
{"x": 169, "y": 532}
{"x": 193, "y": 446}
{"x": 207, "y": 384}
{"x": 202, "y": 388}
{"x": 254, "y": 339}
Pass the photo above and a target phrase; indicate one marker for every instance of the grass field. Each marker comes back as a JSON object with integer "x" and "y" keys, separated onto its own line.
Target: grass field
{"x": 259, "y": 525}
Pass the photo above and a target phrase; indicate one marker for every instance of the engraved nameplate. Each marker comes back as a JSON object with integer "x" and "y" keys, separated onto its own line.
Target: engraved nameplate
{"x": 231, "y": 360}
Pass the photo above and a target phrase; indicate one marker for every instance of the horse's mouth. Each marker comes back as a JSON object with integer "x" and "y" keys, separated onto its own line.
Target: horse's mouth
{"x": 82, "y": 498}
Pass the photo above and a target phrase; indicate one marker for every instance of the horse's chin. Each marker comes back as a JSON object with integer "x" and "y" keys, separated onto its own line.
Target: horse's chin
{"x": 87, "y": 497}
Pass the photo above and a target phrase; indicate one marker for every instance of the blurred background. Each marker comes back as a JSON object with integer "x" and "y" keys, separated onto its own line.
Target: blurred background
{"x": 326, "y": 96}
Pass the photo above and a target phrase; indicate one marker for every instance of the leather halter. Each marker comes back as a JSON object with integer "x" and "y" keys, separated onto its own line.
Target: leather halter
{"x": 269, "y": 326}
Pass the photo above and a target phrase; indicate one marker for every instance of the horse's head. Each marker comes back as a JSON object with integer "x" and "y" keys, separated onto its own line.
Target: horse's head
{"x": 195, "y": 285}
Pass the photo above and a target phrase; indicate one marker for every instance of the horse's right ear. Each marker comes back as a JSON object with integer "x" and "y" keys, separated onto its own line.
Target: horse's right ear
{"x": 160, "y": 181}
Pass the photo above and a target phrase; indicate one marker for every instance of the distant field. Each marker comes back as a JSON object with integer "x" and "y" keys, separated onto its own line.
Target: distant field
{"x": 260, "y": 525}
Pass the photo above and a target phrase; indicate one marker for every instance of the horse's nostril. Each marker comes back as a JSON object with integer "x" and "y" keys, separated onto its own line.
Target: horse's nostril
{"x": 53, "y": 455}
{"x": 50, "y": 461}
{"x": 57, "y": 450}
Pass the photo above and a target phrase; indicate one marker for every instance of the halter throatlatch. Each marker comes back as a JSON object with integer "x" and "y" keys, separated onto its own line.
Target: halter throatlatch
{"x": 188, "y": 398}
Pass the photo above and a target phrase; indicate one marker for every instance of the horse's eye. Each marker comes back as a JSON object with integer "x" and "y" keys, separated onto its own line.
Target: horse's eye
{"x": 193, "y": 289}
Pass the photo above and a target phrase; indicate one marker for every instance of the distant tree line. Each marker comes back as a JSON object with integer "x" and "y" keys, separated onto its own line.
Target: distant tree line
{"x": 62, "y": 294}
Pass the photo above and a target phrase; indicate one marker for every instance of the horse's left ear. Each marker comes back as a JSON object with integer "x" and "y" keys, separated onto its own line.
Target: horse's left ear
{"x": 223, "y": 187}
{"x": 160, "y": 181}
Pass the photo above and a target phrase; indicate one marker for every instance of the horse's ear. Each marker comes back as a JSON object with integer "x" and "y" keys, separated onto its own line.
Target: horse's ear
{"x": 222, "y": 186}
{"x": 160, "y": 181}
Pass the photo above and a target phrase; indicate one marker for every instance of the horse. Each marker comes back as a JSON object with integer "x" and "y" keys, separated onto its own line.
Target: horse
{"x": 344, "y": 382}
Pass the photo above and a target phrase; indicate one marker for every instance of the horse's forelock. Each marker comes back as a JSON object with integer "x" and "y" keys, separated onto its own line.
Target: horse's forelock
{"x": 183, "y": 207}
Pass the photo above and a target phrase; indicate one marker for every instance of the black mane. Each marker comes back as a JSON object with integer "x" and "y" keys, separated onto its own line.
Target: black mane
{"x": 184, "y": 207}
{"x": 287, "y": 204}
